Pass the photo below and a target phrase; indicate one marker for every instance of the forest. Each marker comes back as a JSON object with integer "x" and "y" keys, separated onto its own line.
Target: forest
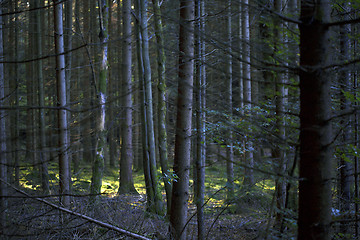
{"x": 188, "y": 119}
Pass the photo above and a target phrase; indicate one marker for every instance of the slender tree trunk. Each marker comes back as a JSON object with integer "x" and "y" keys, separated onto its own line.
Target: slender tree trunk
{"x": 71, "y": 85}
{"x": 15, "y": 146}
{"x": 162, "y": 135}
{"x": 345, "y": 165}
{"x": 41, "y": 94}
{"x": 86, "y": 128}
{"x": 180, "y": 193}
{"x": 249, "y": 176}
{"x": 240, "y": 97}
{"x": 229, "y": 82}
{"x": 64, "y": 165}
{"x": 126, "y": 160}
{"x": 156, "y": 204}
{"x": 278, "y": 152}
{"x": 112, "y": 92}
{"x": 200, "y": 119}
{"x": 99, "y": 160}
{"x": 315, "y": 127}
{"x": 30, "y": 93}
{"x": 3, "y": 131}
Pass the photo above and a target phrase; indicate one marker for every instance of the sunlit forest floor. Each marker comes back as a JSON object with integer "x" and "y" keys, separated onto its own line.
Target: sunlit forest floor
{"x": 246, "y": 216}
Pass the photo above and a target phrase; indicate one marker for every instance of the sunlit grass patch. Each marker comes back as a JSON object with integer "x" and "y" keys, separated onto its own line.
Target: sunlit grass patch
{"x": 266, "y": 184}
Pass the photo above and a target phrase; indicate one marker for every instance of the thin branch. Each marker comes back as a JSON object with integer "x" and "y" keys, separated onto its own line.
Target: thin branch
{"x": 43, "y": 57}
{"x": 92, "y": 220}
{"x": 344, "y": 22}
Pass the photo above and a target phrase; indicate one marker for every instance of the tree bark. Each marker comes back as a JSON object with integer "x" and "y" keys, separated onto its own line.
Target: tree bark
{"x": 64, "y": 165}
{"x": 315, "y": 128}
{"x": 99, "y": 160}
{"x": 345, "y": 164}
{"x": 180, "y": 193}
{"x": 278, "y": 152}
{"x": 155, "y": 203}
{"x": 199, "y": 184}
{"x": 162, "y": 135}
{"x": 249, "y": 159}
{"x": 3, "y": 147}
{"x": 126, "y": 160}
{"x": 229, "y": 107}
{"x": 44, "y": 175}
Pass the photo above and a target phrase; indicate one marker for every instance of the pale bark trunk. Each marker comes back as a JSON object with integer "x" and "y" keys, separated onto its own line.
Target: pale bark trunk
{"x": 249, "y": 176}
{"x": 126, "y": 159}
{"x": 64, "y": 166}
{"x": 99, "y": 160}
{"x": 180, "y": 193}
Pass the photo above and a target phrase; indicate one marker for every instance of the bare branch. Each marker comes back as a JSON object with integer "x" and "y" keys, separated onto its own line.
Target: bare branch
{"x": 87, "y": 218}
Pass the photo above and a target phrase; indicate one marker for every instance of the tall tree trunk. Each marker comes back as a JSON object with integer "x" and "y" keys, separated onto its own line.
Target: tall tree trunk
{"x": 278, "y": 152}
{"x": 30, "y": 93}
{"x": 315, "y": 127}
{"x": 14, "y": 86}
{"x": 229, "y": 106}
{"x": 99, "y": 160}
{"x": 86, "y": 128}
{"x": 64, "y": 165}
{"x": 112, "y": 92}
{"x": 162, "y": 135}
{"x": 200, "y": 119}
{"x": 240, "y": 97}
{"x": 180, "y": 193}
{"x": 344, "y": 80}
{"x": 3, "y": 154}
{"x": 155, "y": 204}
{"x": 249, "y": 176}
{"x": 126, "y": 160}
{"x": 44, "y": 176}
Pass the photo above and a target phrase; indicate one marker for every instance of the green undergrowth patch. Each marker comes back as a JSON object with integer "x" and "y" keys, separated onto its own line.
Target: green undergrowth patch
{"x": 254, "y": 199}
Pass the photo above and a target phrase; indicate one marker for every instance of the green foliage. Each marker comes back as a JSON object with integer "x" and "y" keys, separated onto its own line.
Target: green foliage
{"x": 169, "y": 176}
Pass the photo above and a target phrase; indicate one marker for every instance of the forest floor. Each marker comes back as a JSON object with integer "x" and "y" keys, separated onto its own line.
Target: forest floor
{"x": 246, "y": 217}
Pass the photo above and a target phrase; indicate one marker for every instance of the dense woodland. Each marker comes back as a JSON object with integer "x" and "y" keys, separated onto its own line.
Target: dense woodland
{"x": 189, "y": 119}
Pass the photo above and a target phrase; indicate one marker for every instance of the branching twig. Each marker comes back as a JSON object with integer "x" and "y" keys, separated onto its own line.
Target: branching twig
{"x": 87, "y": 218}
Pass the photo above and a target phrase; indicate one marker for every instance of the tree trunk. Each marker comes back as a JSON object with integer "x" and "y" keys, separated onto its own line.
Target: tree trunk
{"x": 315, "y": 127}
{"x": 3, "y": 157}
{"x": 99, "y": 160}
{"x": 126, "y": 160}
{"x": 200, "y": 119}
{"x": 44, "y": 176}
{"x": 162, "y": 135}
{"x": 278, "y": 152}
{"x": 249, "y": 176}
{"x": 180, "y": 193}
{"x": 64, "y": 166}
{"x": 345, "y": 164}
{"x": 86, "y": 128}
{"x": 156, "y": 204}
{"x": 15, "y": 102}
{"x": 112, "y": 92}
{"x": 229, "y": 106}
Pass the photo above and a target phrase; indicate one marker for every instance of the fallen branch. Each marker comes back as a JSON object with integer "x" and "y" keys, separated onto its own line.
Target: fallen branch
{"x": 97, "y": 222}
